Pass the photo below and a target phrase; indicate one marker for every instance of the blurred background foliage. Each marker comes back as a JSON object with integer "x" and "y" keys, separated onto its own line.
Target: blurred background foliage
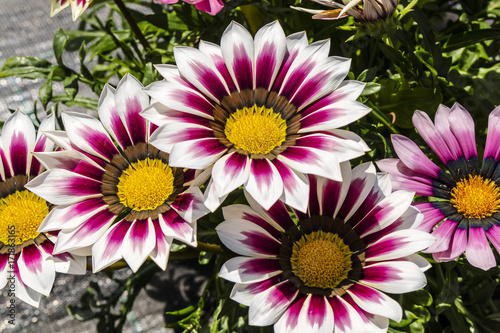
{"x": 429, "y": 52}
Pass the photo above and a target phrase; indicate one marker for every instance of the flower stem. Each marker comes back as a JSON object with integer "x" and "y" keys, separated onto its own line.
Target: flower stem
{"x": 133, "y": 24}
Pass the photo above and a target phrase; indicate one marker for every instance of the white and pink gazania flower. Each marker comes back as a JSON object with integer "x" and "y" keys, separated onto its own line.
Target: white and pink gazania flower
{"x": 260, "y": 112}
{"x": 27, "y": 261}
{"x": 466, "y": 204}
{"x": 211, "y": 7}
{"x": 77, "y": 7}
{"x": 116, "y": 196}
{"x": 330, "y": 270}
{"x": 360, "y": 10}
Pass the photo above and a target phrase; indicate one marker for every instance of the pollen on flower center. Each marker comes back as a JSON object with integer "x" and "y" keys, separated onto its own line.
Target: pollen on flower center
{"x": 256, "y": 129}
{"x": 145, "y": 185}
{"x": 21, "y": 214}
{"x": 321, "y": 260}
{"x": 476, "y": 197}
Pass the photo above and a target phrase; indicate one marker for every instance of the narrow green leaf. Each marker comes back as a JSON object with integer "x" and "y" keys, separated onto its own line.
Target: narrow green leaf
{"x": 60, "y": 40}
{"x": 467, "y": 38}
{"x": 26, "y": 67}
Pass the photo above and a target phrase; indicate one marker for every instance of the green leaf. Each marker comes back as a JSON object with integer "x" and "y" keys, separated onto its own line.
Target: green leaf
{"x": 45, "y": 91}
{"x": 371, "y": 88}
{"x": 467, "y": 38}
{"x": 405, "y": 101}
{"x": 60, "y": 40}
{"x": 71, "y": 86}
{"x": 27, "y": 67}
{"x": 149, "y": 74}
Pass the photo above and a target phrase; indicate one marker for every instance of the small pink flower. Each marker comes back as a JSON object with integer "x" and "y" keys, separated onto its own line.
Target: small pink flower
{"x": 211, "y": 7}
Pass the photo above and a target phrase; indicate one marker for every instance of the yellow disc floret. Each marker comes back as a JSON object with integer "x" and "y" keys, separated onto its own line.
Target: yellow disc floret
{"x": 255, "y": 129}
{"x": 145, "y": 185}
{"x": 321, "y": 260}
{"x": 476, "y": 197}
{"x": 21, "y": 214}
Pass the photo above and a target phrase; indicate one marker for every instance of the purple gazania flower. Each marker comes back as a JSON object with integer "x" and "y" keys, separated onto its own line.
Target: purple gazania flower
{"x": 77, "y": 7}
{"x": 466, "y": 197}
{"x": 259, "y": 112}
{"x": 116, "y": 196}
{"x": 328, "y": 271}
{"x": 211, "y": 7}
{"x": 27, "y": 261}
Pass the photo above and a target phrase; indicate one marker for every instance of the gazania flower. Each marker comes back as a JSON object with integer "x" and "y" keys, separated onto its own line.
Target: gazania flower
{"x": 77, "y": 7}
{"x": 330, "y": 270}
{"x": 262, "y": 112}
{"x": 115, "y": 192}
{"x": 360, "y": 10}
{"x": 27, "y": 262}
{"x": 211, "y": 7}
{"x": 467, "y": 197}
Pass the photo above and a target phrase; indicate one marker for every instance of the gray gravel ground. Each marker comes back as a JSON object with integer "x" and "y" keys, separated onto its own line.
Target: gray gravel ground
{"x": 27, "y": 29}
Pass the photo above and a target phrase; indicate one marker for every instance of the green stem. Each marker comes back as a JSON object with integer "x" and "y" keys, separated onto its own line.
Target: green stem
{"x": 133, "y": 24}
{"x": 381, "y": 117}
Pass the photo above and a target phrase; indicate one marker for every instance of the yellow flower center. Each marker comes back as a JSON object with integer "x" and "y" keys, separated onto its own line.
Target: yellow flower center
{"x": 321, "y": 260}
{"x": 257, "y": 129}
{"x": 145, "y": 185}
{"x": 476, "y": 197}
{"x": 21, "y": 213}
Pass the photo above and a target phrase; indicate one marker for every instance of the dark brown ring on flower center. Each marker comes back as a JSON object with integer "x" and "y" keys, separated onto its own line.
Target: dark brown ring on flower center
{"x": 119, "y": 164}
{"x": 250, "y": 98}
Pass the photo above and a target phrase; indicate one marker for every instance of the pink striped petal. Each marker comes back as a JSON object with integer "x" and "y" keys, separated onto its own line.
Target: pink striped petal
{"x": 62, "y": 187}
{"x": 65, "y": 262}
{"x": 214, "y": 52}
{"x": 375, "y": 302}
{"x": 432, "y": 137}
{"x": 189, "y": 205}
{"x": 130, "y": 100}
{"x": 270, "y": 49}
{"x": 312, "y": 161}
{"x": 331, "y": 194}
{"x": 432, "y": 216}
{"x": 321, "y": 80}
{"x": 403, "y": 178}
{"x": 312, "y": 314}
{"x": 173, "y": 225}
{"x": 85, "y": 235}
{"x": 249, "y": 270}
{"x": 278, "y": 215}
{"x": 244, "y": 293}
{"x": 139, "y": 243}
{"x": 267, "y": 307}
{"x": 181, "y": 96}
{"x": 243, "y": 212}
{"x": 395, "y": 277}
{"x": 442, "y": 122}
{"x": 42, "y": 143}
{"x": 69, "y": 217}
{"x": 493, "y": 234}
{"x": 201, "y": 72}
{"x": 462, "y": 126}
{"x": 110, "y": 118}
{"x": 196, "y": 154}
{"x": 37, "y": 269}
{"x": 247, "y": 239}
{"x": 398, "y": 244}
{"x": 88, "y": 134}
{"x": 443, "y": 235}
{"x": 18, "y": 136}
{"x": 162, "y": 248}
{"x": 229, "y": 172}
{"x": 106, "y": 251}
{"x": 492, "y": 146}
{"x": 166, "y": 136}
{"x": 347, "y": 319}
{"x": 478, "y": 250}
{"x": 238, "y": 50}
{"x": 295, "y": 186}
{"x": 264, "y": 182}
{"x": 25, "y": 293}
{"x": 363, "y": 178}
{"x": 412, "y": 157}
